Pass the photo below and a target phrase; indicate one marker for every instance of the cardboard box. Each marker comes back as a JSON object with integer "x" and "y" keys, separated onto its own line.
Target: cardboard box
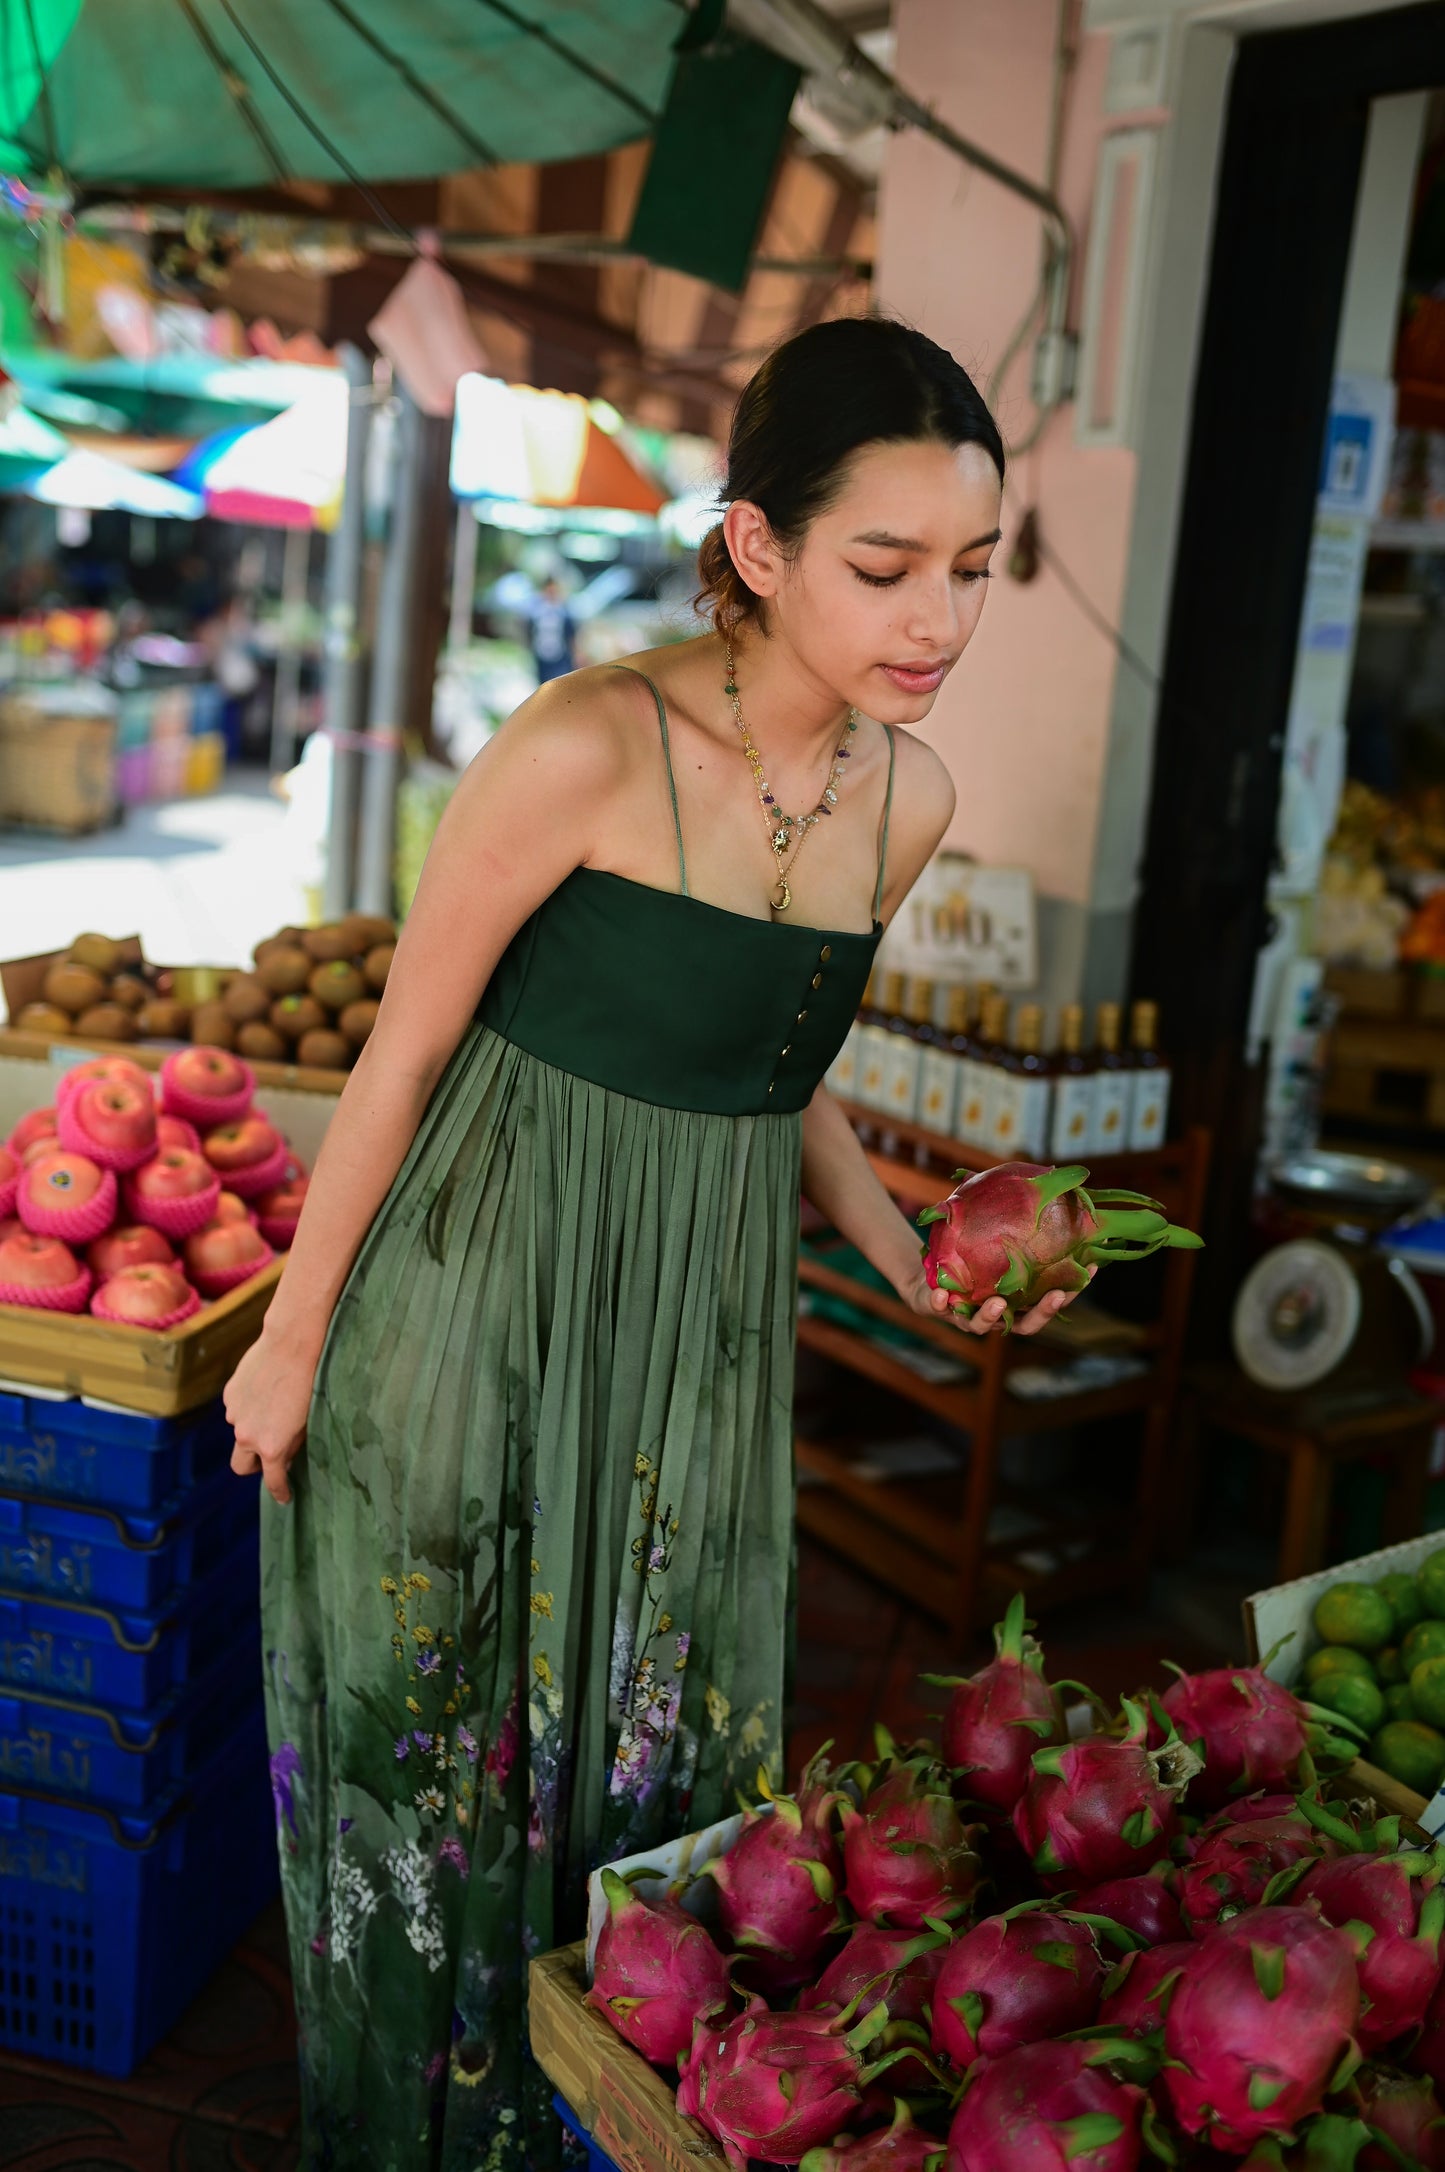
{"x": 57, "y": 768}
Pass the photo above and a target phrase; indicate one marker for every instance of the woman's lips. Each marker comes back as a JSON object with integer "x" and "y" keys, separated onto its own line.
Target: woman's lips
{"x": 916, "y": 678}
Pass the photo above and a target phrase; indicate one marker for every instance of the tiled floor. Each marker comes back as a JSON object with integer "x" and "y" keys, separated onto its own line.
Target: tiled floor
{"x": 219, "y": 2095}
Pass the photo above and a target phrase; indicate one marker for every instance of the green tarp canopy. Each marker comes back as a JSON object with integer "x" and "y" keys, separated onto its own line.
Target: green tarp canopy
{"x": 237, "y": 94}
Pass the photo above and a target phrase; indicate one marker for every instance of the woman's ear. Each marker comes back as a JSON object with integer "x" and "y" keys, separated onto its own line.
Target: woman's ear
{"x": 753, "y": 547}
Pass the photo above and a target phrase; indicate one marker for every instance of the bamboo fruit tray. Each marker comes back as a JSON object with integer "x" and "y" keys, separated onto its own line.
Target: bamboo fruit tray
{"x": 626, "y": 2106}
{"x": 161, "y": 1374}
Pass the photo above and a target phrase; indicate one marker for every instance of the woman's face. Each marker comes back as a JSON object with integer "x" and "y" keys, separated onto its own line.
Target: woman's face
{"x": 883, "y": 596}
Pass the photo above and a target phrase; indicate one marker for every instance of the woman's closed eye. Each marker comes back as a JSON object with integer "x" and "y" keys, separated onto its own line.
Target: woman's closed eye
{"x": 966, "y": 574}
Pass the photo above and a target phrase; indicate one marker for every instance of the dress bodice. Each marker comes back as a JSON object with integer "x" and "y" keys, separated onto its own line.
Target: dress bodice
{"x": 663, "y": 997}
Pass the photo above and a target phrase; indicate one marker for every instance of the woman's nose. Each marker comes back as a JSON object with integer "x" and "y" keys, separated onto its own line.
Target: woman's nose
{"x": 933, "y": 621}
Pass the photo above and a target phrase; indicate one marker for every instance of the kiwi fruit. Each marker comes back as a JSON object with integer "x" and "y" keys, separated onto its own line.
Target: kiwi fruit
{"x": 163, "y": 1019}
{"x": 100, "y": 952}
{"x": 294, "y": 1015}
{"x": 332, "y": 941}
{"x": 261, "y": 1042}
{"x": 107, "y": 1022}
{"x": 129, "y": 990}
{"x": 336, "y": 984}
{"x": 324, "y": 1050}
{"x": 285, "y": 969}
{"x": 246, "y": 1000}
{"x": 377, "y": 964}
{"x": 212, "y": 1026}
{"x": 367, "y": 930}
{"x": 357, "y": 1020}
{"x": 73, "y": 988}
{"x": 44, "y": 1018}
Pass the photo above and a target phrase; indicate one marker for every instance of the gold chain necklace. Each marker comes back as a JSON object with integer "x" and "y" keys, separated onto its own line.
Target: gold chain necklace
{"x": 787, "y": 833}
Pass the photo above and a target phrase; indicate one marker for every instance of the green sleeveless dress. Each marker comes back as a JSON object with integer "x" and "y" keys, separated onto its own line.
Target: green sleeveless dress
{"x": 529, "y": 1608}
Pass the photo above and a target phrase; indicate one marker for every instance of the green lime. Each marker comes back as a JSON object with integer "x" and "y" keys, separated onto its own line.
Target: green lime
{"x": 1353, "y": 1698}
{"x": 1336, "y": 1659}
{"x": 1427, "y": 1687}
{"x": 1355, "y": 1614}
{"x": 1425, "y": 1641}
{"x": 1400, "y": 1701}
{"x": 1389, "y": 1666}
{"x": 1411, "y": 1753}
{"x": 1430, "y": 1576}
{"x": 1403, "y": 1593}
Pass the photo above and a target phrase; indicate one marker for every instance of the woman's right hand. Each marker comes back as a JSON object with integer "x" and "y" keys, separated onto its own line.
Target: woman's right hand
{"x": 267, "y": 1398}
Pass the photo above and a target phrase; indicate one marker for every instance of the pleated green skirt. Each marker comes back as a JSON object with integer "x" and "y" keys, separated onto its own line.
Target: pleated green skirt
{"x": 528, "y": 1609}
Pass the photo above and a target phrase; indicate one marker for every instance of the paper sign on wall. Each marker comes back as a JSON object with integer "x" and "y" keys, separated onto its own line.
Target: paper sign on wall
{"x": 964, "y": 922}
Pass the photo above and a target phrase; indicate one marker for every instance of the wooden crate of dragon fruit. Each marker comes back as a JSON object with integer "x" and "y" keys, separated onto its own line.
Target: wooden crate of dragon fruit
{"x": 1062, "y": 1935}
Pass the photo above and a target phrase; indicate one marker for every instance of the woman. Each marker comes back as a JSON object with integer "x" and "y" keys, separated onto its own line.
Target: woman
{"x": 528, "y": 1609}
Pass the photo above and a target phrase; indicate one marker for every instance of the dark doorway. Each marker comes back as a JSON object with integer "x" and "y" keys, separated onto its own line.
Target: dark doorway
{"x": 1290, "y": 169}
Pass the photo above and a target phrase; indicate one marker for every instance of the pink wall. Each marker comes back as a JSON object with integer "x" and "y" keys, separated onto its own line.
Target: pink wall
{"x": 1023, "y": 723}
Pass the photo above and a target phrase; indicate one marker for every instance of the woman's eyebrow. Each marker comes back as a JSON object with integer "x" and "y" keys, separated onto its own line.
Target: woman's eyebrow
{"x": 881, "y": 540}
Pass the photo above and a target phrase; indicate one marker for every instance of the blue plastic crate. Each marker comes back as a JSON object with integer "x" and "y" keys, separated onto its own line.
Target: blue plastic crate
{"x": 597, "y": 2157}
{"x": 134, "y": 1563}
{"x": 127, "y": 1760}
{"x": 117, "y": 1459}
{"x": 103, "y": 1656}
{"x": 110, "y": 1925}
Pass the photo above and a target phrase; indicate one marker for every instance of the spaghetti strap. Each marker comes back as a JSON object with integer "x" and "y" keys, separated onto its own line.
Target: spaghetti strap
{"x": 883, "y": 838}
{"x": 667, "y": 758}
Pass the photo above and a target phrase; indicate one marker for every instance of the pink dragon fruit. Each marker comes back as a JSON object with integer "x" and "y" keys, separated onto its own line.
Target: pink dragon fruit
{"x": 1104, "y": 1807}
{"x": 657, "y": 1972}
{"x": 1400, "y": 1902}
{"x": 1000, "y": 1716}
{"x": 1250, "y": 1731}
{"x": 1145, "y": 1905}
{"x": 900, "y": 1968}
{"x": 1047, "y": 2108}
{"x": 1019, "y": 1230}
{"x": 1234, "y": 1863}
{"x": 1404, "y": 2110}
{"x": 899, "y": 2148}
{"x": 1260, "y": 2025}
{"x": 1014, "y": 1979}
{"x": 907, "y": 1854}
{"x": 777, "y": 2085}
{"x": 778, "y": 1886}
{"x": 1137, "y": 1994}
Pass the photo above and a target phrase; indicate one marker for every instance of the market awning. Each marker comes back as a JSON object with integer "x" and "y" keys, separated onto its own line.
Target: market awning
{"x": 542, "y": 448}
{"x": 28, "y": 447}
{"x": 148, "y": 93}
{"x": 89, "y": 481}
{"x": 286, "y": 473}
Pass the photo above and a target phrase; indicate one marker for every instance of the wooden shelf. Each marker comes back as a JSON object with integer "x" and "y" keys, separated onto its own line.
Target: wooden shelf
{"x": 928, "y": 1539}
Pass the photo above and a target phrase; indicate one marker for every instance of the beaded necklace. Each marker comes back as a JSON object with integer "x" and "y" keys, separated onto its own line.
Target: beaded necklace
{"x": 786, "y": 833}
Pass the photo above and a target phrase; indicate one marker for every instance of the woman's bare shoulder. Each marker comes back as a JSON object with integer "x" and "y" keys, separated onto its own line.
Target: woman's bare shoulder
{"x": 923, "y": 790}
{"x": 587, "y": 724}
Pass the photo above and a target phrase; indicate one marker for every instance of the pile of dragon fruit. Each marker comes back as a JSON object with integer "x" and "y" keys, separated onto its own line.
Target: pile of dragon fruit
{"x": 135, "y": 1204}
{"x": 1037, "y": 1948}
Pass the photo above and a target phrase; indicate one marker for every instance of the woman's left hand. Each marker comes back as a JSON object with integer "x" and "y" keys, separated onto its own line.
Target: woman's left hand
{"x": 989, "y": 1316}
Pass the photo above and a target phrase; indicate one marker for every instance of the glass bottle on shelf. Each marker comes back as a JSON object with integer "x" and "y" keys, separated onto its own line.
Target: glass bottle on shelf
{"x": 1113, "y": 1085}
{"x": 1071, "y": 1131}
{"x": 911, "y": 1034}
{"x": 1149, "y": 1104}
{"x": 940, "y": 1074}
{"x": 1019, "y": 1125}
{"x": 841, "y": 1076}
{"x": 873, "y": 1039}
{"x": 989, "y": 1048}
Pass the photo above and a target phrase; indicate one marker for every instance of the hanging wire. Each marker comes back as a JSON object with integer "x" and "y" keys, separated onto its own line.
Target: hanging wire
{"x": 1065, "y": 57}
{"x": 313, "y": 128}
{"x": 438, "y": 105}
{"x": 238, "y": 91}
{"x": 47, "y": 110}
{"x": 574, "y": 60}
{"x": 1103, "y": 624}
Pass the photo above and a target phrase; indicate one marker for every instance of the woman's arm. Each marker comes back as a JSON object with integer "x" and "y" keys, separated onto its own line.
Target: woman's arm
{"x": 521, "y": 819}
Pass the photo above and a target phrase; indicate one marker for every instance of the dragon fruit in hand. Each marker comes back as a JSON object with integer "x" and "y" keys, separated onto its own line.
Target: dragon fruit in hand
{"x": 657, "y": 1972}
{"x": 777, "y": 2085}
{"x": 1021, "y": 1229}
{"x": 907, "y": 1854}
{"x": 1400, "y": 1903}
{"x": 1000, "y": 1716}
{"x": 1261, "y": 2020}
{"x": 1046, "y": 2108}
{"x": 778, "y": 1886}
{"x": 899, "y": 2148}
{"x": 1014, "y": 1979}
{"x": 1104, "y": 1807}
